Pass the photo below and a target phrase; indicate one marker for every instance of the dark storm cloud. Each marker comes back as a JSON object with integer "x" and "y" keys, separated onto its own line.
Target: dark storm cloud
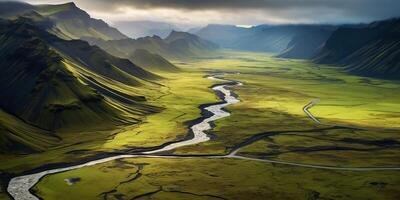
{"x": 354, "y": 5}
{"x": 250, "y": 11}
{"x": 346, "y": 8}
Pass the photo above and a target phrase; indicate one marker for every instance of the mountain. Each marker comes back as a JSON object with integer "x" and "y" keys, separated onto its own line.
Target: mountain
{"x": 178, "y": 45}
{"x": 152, "y": 62}
{"x": 307, "y": 42}
{"x": 223, "y": 35}
{"x": 190, "y": 45}
{"x": 372, "y": 50}
{"x": 137, "y": 29}
{"x": 49, "y": 86}
{"x": 290, "y": 41}
{"x": 67, "y": 20}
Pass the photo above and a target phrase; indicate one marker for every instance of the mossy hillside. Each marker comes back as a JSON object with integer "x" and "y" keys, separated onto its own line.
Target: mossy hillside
{"x": 183, "y": 93}
{"x": 47, "y": 86}
{"x": 152, "y": 62}
{"x": 18, "y": 136}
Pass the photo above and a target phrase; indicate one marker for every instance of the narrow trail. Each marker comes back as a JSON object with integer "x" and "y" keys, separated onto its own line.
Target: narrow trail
{"x": 19, "y": 187}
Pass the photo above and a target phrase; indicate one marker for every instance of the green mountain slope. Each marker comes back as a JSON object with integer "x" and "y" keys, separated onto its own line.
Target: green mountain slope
{"x": 152, "y": 62}
{"x": 68, "y": 21}
{"x": 371, "y": 50}
{"x": 184, "y": 44}
{"x": 20, "y": 137}
{"x": 178, "y": 45}
{"x": 58, "y": 86}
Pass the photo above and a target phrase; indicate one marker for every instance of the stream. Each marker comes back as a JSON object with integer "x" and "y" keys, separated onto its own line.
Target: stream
{"x": 19, "y": 187}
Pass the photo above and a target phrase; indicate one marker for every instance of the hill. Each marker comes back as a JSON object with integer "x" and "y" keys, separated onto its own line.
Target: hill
{"x": 372, "y": 50}
{"x": 152, "y": 62}
{"x": 67, "y": 20}
{"x": 178, "y": 45}
{"x": 49, "y": 85}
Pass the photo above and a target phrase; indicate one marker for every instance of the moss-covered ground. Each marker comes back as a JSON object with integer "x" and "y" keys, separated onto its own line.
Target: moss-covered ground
{"x": 360, "y": 116}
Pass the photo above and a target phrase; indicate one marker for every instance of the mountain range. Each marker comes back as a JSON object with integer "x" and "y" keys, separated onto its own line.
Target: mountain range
{"x": 49, "y": 85}
{"x": 63, "y": 71}
{"x": 290, "y": 41}
{"x": 362, "y": 49}
{"x": 178, "y": 45}
{"x": 65, "y": 20}
{"x": 137, "y": 29}
{"x": 371, "y": 50}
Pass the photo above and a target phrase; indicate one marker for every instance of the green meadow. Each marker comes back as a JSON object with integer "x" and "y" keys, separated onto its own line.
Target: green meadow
{"x": 360, "y": 128}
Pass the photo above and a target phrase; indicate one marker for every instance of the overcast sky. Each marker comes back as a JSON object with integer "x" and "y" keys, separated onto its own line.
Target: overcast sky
{"x": 239, "y": 12}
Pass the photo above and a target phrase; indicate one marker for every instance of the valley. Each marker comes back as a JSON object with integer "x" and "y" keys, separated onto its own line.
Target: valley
{"x": 273, "y": 93}
{"x": 169, "y": 100}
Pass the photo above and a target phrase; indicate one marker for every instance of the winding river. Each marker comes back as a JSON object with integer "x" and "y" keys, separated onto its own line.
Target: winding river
{"x": 19, "y": 187}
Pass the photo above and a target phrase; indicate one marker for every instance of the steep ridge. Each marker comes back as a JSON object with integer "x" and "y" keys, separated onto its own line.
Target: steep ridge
{"x": 52, "y": 85}
{"x": 291, "y": 41}
{"x": 68, "y": 21}
{"x": 186, "y": 44}
{"x": 306, "y": 43}
{"x": 223, "y": 35}
{"x": 137, "y": 29}
{"x": 178, "y": 45}
{"x": 371, "y": 50}
{"x": 152, "y": 62}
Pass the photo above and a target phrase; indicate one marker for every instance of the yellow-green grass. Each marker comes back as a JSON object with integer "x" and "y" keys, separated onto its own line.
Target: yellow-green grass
{"x": 344, "y": 98}
{"x": 272, "y": 99}
{"x": 181, "y": 96}
{"x": 187, "y": 91}
{"x": 156, "y": 178}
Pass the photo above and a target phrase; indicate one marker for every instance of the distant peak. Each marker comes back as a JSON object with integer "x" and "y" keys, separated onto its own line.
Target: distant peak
{"x": 71, "y": 4}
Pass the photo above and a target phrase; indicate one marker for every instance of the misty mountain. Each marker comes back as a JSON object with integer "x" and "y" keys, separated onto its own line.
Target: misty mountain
{"x": 224, "y": 35}
{"x": 178, "y": 45}
{"x": 137, "y": 29}
{"x": 372, "y": 50}
{"x": 307, "y": 42}
{"x": 65, "y": 20}
{"x": 291, "y": 41}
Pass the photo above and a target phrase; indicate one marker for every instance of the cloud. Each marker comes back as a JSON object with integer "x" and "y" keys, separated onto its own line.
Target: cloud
{"x": 240, "y": 11}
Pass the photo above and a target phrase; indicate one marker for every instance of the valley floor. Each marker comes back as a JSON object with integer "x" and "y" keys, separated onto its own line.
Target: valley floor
{"x": 360, "y": 126}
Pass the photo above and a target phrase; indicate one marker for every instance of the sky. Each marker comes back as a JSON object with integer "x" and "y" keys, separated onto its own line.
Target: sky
{"x": 237, "y": 12}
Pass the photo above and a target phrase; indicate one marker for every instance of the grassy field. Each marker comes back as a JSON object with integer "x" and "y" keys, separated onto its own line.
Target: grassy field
{"x": 357, "y": 114}
{"x": 273, "y": 95}
{"x": 215, "y": 179}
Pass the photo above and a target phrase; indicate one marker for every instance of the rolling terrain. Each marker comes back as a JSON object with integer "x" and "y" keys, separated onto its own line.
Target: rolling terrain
{"x": 279, "y": 141}
{"x": 64, "y": 85}
{"x": 285, "y": 112}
